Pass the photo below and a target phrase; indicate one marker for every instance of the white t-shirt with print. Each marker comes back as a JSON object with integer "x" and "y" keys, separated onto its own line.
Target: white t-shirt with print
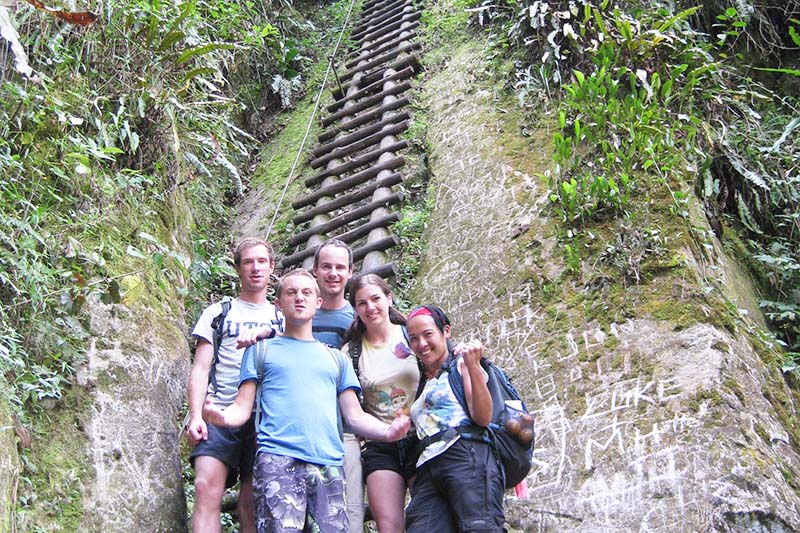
{"x": 389, "y": 375}
{"x": 241, "y": 316}
{"x": 437, "y": 409}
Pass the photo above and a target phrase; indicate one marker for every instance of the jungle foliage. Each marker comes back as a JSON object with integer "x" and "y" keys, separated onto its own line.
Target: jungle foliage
{"x": 117, "y": 135}
{"x": 658, "y": 98}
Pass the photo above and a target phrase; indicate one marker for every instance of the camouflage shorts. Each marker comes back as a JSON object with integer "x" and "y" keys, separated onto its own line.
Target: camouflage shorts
{"x": 293, "y": 495}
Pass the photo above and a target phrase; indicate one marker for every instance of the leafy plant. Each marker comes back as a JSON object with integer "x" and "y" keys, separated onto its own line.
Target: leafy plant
{"x": 411, "y": 230}
{"x": 658, "y": 97}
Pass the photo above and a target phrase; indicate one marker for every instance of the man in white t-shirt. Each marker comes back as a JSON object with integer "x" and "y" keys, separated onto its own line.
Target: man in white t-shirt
{"x": 220, "y": 455}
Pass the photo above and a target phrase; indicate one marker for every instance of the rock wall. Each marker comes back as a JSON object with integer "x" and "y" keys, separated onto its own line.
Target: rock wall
{"x": 9, "y": 469}
{"x": 642, "y": 424}
{"x": 136, "y": 373}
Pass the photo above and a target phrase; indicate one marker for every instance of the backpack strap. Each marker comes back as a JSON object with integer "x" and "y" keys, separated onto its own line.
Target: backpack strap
{"x": 457, "y": 383}
{"x": 468, "y": 430}
{"x": 405, "y": 334}
{"x": 260, "y": 357}
{"x": 277, "y": 321}
{"x": 356, "y": 349}
{"x": 218, "y": 327}
{"x": 341, "y": 361}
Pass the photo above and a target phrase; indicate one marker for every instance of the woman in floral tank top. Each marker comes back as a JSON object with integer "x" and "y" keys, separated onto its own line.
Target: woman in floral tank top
{"x": 459, "y": 482}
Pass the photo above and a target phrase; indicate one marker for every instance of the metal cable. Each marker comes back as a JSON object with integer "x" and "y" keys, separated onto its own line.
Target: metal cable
{"x": 310, "y": 120}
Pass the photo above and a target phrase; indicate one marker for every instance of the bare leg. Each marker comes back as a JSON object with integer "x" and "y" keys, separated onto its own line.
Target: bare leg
{"x": 386, "y": 491}
{"x": 209, "y": 486}
{"x": 246, "y": 507}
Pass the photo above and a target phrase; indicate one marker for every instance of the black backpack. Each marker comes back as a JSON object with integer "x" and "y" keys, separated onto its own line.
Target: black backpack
{"x": 514, "y": 456}
{"x": 218, "y": 326}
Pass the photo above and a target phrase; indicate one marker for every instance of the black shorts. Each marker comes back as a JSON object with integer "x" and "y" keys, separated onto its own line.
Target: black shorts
{"x": 236, "y": 447}
{"x": 400, "y": 457}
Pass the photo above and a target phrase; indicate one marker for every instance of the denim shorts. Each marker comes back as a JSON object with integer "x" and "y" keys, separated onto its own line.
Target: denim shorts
{"x": 236, "y": 447}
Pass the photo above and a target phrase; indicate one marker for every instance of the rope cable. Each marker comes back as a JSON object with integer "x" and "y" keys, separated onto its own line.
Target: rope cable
{"x": 310, "y": 120}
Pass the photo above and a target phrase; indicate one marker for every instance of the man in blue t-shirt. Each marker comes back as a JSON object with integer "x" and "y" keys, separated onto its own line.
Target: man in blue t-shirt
{"x": 333, "y": 267}
{"x": 297, "y": 478}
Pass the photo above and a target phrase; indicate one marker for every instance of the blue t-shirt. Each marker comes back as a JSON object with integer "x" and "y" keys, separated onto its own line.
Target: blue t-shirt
{"x": 299, "y": 399}
{"x": 329, "y": 326}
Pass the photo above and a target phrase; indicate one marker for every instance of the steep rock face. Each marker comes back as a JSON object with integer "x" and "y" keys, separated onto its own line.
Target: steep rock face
{"x": 136, "y": 371}
{"x": 642, "y": 424}
{"x": 9, "y": 469}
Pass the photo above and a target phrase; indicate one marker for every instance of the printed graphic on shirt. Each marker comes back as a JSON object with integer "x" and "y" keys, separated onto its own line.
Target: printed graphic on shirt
{"x": 389, "y": 376}
{"x": 437, "y": 408}
{"x": 401, "y": 351}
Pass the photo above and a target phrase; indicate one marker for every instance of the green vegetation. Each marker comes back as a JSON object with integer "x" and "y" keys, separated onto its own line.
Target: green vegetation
{"x": 411, "y": 230}
{"x": 49, "y": 493}
{"x": 661, "y": 102}
{"x": 118, "y": 141}
{"x": 444, "y": 22}
{"x": 125, "y": 137}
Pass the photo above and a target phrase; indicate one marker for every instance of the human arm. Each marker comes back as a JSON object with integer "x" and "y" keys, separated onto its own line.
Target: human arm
{"x": 366, "y": 425}
{"x": 479, "y": 400}
{"x": 236, "y": 414}
{"x": 249, "y": 337}
{"x": 196, "y": 429}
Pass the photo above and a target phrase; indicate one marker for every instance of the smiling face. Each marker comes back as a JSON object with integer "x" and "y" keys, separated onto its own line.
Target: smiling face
{"x": 372, "y": 305}
{"x": 298, "y": 298}
{"x": 427, "y": 341}
{"x": 332, "y": 271}
{"x": 255, "y": 268}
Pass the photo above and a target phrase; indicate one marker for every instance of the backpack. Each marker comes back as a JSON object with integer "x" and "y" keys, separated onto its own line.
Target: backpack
{"x": 218, "y": 327}
{"x": 260, "y": 358}
{"x": 514, "y": 456}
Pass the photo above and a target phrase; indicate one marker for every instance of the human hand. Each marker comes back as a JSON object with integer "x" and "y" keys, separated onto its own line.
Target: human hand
{"x": 249, "y": 337}
{"x": 399, "y": 427}
{"x": 471, "y": 351}
{"x": 196, "y": 430}
{"x": 213, "y": 414}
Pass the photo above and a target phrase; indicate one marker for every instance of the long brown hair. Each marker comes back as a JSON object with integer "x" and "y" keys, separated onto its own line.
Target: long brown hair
{"x": 357, "y": 330}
